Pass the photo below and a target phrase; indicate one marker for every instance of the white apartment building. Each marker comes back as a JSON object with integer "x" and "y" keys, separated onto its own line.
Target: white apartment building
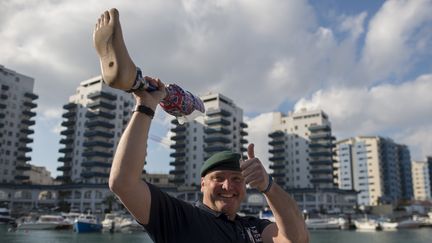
{"x": 301, "y": 150}
{"x": 16, "y": 104}
{"x": 421, "y": 180}
{"x": 221, "y": 128}
{"x": 95, "y": 118}
{"x": 375, "y": 167}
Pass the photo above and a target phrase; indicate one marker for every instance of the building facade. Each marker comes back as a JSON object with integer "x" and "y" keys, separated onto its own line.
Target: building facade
{"x": 374, "y": 166}
{"x": 421, "y": 180}
{"x": 302, "y": 150}
{"x": 17, "y": 101}
{"x": 221, "y": 128}
{"x": 39, "y": 175}
{"x": 94, "y": 120}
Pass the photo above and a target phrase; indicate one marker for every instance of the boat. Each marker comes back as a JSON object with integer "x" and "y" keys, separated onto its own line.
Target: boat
{"x": 401, "y": 224}
{"x": 5, "y": 217}
{"x": 87, "y": 223}
{"x": 130, "y": 225}
{"x": 111, "y": 222}
{"x": 366, "y": 224}
{"x": 267, "y": 214}
{"x": 324, "y": 223}
{"x": 45, "y": 222}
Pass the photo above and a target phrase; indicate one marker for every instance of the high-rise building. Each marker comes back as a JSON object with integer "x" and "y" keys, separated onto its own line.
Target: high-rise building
{"x": 374, "y": 166}
{"x": 421, "y": 180}
{"x": 16, "y": 103}
{"x": 302, "y": 150}
{"x": 95, "y": 118}
{"x": 222, "y": 128}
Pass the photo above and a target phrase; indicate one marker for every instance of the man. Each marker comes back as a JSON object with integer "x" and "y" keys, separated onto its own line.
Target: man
{"x": 224, "y": 176}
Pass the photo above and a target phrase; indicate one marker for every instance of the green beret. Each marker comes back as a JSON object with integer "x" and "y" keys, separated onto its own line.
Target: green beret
{"x": 225, "y": 160}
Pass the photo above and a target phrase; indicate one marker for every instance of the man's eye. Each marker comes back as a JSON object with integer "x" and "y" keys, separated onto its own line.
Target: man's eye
{"x": 219, "y": 178}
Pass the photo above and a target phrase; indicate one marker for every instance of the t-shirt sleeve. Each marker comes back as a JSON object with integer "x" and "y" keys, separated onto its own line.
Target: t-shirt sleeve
{"x": 167, "y": 215}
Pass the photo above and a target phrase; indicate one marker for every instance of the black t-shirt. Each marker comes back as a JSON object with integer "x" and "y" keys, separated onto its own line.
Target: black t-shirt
{"x": 174, "y": 220}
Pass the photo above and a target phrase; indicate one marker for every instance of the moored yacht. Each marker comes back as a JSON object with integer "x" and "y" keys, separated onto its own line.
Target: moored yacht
{"x": 87, "y": 223}
{"x": 45, "y": 222}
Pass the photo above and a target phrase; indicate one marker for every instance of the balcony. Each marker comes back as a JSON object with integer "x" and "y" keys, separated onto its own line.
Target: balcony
{"x": 217, "y": 140}
{"x": 68, "y": 131}
{"x": 69, "y": 114}
{"x": 23, "y": 158}
{"x": 24, "y": 149}
{"x": 218, "y": 112}
{"x": 178, "y": 137}
{"x": 29, "y": 113}
{"x": 101, "y": 104}
{"x": 68, "y": 123}
{"x": 277, "y": 166}
{"x": 177, "y": 172}
{"x": 4, "y": 97}
{"x": 26, "y": 131}
{"x": 276, "y": 142}
{"x": 99, "y": 113}
{"x": 276, "y": 150}
{"x": 213, "y": 149}
{"x": 321, "y": 154}
{"x": 278, "y": 175}
{"x": 243, "y": 125}
{"x": 277, "y": 158}
{"x": 104, "y": 124}
{"x": 66, "y": 141}
{"x": 94, "y": 174}
{"x": 276, "y": 134}
{"x": 217, "y": 121}
{"x": 178, "y": 146}
{"x": 2, "y": 106}
{"x": 243, "y": 141}
{"x": 70, "y": 106}
{"x": 102, "y": 94}
{"x": 28, "y": 122}
{"x": 324, "y": 128}
{"x": 321, "y": 180}
{"x": 321, "y": 145}
{"x": 321, "y": 162}
{"x": 65, "y": 159}
{"x": 243, "y": 133}
{"x": 64, "y": 168}
{"x": 220, "y": 130}
{"x": 97, "y": 154}
{"x": 23, "y": 167}
{"x": 96, "y": 133}
{"x": 31, "y": 96}
{"x": 96, "y": 164}
{"x": 177, "y": 163}
{"x": 97, "y": 144}
{"x": 321, "y": 171}
{"x": 66, "y": 150}
{"x": 178, "y": 155}
{"x": 30, "y": 105}
{"x": 26, "y": 140}
{"x": 178, "y": 129}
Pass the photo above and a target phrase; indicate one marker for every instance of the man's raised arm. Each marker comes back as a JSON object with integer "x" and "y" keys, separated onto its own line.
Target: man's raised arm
{"x": 125, "y": 176}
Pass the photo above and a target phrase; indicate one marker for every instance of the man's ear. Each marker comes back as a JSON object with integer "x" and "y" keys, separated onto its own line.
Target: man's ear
{"x": 202, "y": 183}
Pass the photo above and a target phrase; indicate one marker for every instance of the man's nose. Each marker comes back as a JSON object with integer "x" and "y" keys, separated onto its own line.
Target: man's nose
{"x": 226, "y": 184}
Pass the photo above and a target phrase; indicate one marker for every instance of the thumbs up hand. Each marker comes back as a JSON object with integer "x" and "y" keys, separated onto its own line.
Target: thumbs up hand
{"x": 253, "y": 171}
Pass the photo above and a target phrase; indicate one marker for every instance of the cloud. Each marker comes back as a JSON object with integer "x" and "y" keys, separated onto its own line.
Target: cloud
{"x": 258, "y": 128}
{"x": 395, "y": 33}
{"x": 387, "y": 109}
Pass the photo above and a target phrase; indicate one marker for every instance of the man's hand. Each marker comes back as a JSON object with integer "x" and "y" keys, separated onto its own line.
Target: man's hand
{"x": 253, "y": 171}
{"x": 151, "y": 99}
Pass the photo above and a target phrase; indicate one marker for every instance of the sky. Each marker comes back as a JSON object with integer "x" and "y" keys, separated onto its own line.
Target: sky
{"x": 367, "y": 64}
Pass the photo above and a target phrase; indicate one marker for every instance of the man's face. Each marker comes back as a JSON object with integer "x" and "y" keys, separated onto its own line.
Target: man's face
{"x": 223, "y": 191}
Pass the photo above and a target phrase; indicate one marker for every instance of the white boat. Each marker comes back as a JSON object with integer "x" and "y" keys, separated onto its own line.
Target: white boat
{"x": 5, "y": 217}
{"x": 45, "y": 222}
{"x": 112, "y": 222}
{"x": 130, "y": 225}
{"x": 366, "y": 224}
{"x": 323, "y": 223}
{"x": 408, "y": 224}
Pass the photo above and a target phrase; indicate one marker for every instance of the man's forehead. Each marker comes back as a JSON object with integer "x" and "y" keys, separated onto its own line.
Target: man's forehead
{"x": 224, "y": 172}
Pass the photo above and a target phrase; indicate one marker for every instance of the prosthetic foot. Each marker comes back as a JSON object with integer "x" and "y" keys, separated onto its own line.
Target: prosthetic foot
{"x": 118, "y": 69}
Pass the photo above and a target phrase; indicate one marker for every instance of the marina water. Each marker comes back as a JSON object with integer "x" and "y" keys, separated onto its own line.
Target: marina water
{"x": 420, "y": 235}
